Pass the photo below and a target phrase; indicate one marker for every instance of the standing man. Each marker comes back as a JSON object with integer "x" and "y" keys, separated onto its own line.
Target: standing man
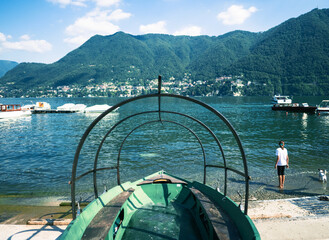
{"x": 282, "y": 161}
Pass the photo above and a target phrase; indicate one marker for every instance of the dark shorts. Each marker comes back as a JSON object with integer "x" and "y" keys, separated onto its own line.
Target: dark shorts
{"x": 281, "y": 170}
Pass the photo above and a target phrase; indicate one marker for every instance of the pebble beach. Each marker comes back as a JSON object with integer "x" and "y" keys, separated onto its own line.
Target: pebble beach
{"x": 293, "y": 218}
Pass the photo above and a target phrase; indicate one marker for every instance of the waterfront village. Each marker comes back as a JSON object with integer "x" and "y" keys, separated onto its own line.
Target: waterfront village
{"x": 234, "y": 86}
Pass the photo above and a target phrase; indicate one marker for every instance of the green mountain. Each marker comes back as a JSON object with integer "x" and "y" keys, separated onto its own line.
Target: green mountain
{"x": 291, "y": 58}
{"x": 5, "y": 66}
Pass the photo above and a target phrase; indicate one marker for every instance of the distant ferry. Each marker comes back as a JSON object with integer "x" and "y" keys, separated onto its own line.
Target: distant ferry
{"x": 284, "y": 103}
{"x": 278, "y": 99}
{"x": 13, "y": 111}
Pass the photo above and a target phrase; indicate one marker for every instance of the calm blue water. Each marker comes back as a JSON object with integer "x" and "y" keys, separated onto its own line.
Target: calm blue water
{"x": 36, "y": 153}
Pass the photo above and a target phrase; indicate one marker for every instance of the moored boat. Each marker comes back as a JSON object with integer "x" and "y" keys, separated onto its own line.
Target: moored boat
{"x": 161, "y": 205}
{"x": 280, "y": 99}
{"x": 42, "y": 106}
{"x": 13, "y": 111}
{"x": 97, "y": 108}
{"x": 37, "y": 106}
{"x": 323, "y": 107}
{"x": 71, "y": 107}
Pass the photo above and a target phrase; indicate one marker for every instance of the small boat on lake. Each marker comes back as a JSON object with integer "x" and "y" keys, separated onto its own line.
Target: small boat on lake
{"x": 294, "y": 107}
{"x": 42, "y": 106}
{"x": 160, "y": 205}
{"x": 71, "y": 107}
{"x": 13, "y": 111}
{"x": 280, "y": 99}
{"x": 97, "y": 108}
{"x": 323, "y": 107}
{"x": 37, "y": 106}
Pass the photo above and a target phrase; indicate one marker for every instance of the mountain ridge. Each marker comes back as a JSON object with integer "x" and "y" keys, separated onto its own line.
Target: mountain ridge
{"x": 291, "y": 58}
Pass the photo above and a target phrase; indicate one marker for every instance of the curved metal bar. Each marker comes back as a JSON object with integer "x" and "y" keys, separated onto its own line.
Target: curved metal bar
{"x": 159, "y": 97}
{"x": 101, "y": 144}
{"x": 94, "y": 123}
{"x": 160, "y": 121}
{"x": 83, "y": 139}
{"x": 236, "y": 136}
{"x": 147, "y": 112}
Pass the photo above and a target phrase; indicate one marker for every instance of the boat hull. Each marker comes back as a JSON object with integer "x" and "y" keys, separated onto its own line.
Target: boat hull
{"x": 322, "y": 111}
{"x": 162, "y": 210}
{"x": 309, "y": 109}
{"x": 97, "y": 108}
{"x": 15, "y": 114}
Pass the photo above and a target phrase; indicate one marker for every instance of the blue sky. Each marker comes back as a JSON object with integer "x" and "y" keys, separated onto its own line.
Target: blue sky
{"x": 46, "y": 30}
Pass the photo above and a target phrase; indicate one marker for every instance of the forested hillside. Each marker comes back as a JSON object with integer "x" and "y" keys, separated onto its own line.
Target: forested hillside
{"x": 5, "y": 66}
{"x": 291, "y": 58}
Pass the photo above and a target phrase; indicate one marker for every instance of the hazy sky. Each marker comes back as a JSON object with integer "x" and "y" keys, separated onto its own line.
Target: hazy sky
{"x": 46, "y": 30}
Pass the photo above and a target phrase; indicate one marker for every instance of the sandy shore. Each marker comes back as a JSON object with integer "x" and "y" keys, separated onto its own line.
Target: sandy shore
{"x": 35, "y": 232}
{"x": 295, "y": 218}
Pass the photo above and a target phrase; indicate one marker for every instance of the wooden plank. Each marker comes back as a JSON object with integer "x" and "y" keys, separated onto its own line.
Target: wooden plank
{"x": 52, "y": 222}
{"x": 102, "y": 222}
{"x": 223, "y": 226}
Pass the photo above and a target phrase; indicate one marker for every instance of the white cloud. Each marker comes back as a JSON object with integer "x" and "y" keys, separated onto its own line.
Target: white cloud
{"x": 25, "y": 44}
{"x": 78, "y": 40}
{"x": 2, "y": 37}
{"x": 189, "y": 31}
{"x": 118, "y": 15}
{"x": 95, "y": 22}
{"x": 158, "y": 27}
{"x": 39, "y": 46}
{"x": 83, "y": 3}
{"x": 64, "y": 3}
{"x": 25, "y": 37}
{"x": 106, "y": 3}
{"x": 236, "y": 14}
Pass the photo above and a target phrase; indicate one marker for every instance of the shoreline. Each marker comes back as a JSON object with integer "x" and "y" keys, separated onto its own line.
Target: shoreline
{"x": 290, "y": 218}
{"x": 293, "y": 218}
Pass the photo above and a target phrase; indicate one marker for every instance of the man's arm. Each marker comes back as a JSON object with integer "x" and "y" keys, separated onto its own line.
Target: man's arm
{"x": 277, "y": 160}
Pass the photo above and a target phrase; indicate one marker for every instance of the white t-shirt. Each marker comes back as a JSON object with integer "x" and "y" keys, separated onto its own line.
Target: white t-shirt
{"x": 282, "y": 153}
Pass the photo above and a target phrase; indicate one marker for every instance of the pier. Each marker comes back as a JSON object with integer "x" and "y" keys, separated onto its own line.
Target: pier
{"x": 42, "y": 111}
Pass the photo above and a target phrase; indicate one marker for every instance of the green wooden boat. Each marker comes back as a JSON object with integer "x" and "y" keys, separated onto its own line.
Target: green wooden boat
{"x": 161, "y": 205}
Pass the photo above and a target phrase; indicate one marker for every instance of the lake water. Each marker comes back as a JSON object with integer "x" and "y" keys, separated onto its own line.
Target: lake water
{"x": 36, "y": 153}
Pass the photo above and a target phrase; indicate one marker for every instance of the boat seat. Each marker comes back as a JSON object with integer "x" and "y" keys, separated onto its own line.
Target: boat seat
{"x": 223, "y": 226}
{"x": 99, "y": 227}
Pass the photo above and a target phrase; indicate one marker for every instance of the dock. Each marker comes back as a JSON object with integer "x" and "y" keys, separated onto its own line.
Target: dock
{"x": 42, "y": 111}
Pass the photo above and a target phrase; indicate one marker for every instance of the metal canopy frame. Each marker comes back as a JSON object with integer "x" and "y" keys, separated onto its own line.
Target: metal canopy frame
{"x": 158, "y": 95}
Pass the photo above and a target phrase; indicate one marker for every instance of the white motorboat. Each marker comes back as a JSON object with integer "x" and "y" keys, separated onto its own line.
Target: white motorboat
{"x": 79, "y": 107}
{"x": 36, "y": 106}
{"x": 323, "y": 107}
{"x": 13, "y": 111}
{"x": 97, "y": 108}
{"x": 28, "y": 107}
{"x": 66, "y": 107}
{"x": 279, "y": 99}
{"x": 42, "y": 106}
{"x": 71, "y": 107}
